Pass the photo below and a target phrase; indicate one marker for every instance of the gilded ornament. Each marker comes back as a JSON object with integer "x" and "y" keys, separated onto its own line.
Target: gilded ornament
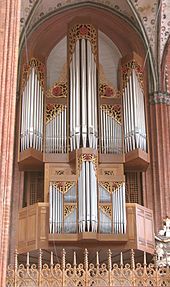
{"x": 106, "y": 209}
{"x": 87, "y": 157}
{"x": 39, "y": 69}
{"x": 127, "y": 71}
{"x": 59, "y": 172}
{"x": 111, "y": 186}
{"x": 82, "y": 31}
{"x": 62, "y": 186}
{"x": 59, "y": 90}
{"x": 52, "y": 110}
{"x": 113, "y": 111}
{"x": 109, "y": 172}
{"x": 106, "y": 91}
{"x": 68, "y": 209}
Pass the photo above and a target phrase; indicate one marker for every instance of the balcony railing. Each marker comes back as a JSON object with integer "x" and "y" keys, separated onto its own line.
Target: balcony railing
{"x": 86, "y": 273}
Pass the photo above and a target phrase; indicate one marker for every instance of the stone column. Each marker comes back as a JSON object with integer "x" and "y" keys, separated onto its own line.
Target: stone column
{"x": 9, "y": 35}
{"x": 157, "y": 177}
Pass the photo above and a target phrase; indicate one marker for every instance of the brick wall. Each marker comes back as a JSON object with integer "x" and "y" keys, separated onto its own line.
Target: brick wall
{"x": 9, "y": 34}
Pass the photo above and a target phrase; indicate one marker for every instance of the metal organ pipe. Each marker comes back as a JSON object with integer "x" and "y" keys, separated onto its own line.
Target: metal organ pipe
{"x": 65, "y": 132}
{"x": 51, "y": 223}
{"x": 132, "y": 119}
{"x": 71, "y": 106}
{"x": 90, "y": 97}
{"x": 32, "y": 112}
{"x": 28, "y": 114}
{"x": 35, "y": 108}
{"x": 80, "y": 201}
{"x": 95, "y": 105}
{"x": 88, "y": 194}
{"x": 123, "y": 208}
{"x": 74, "y": 101}
{"x": 83, "y": 92}
{"x": 93, "y": 193}
{"x": 77, "y": 104}
{"x": 125, "y": 122}
{"x": 83, "y": 184}
{"x": 38, "y": 113}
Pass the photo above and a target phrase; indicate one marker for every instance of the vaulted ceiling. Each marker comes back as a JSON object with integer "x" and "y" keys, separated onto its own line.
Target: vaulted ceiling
{"x": 150, "y": 17}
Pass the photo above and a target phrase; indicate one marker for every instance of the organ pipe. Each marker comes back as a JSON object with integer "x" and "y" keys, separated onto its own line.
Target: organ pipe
{"x": 77, "y": 106}
{"x": 32, "y": 108}
{"x": 89, "y": 89}
{"x": 83, "y": 92}
{"x": 88, "y": 194}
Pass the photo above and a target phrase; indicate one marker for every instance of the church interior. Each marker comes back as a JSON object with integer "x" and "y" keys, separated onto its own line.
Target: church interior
{"x": 86, "y": 144}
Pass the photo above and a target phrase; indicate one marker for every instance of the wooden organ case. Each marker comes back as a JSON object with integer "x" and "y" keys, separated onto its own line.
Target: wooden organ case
{"x": 80, "y": 136}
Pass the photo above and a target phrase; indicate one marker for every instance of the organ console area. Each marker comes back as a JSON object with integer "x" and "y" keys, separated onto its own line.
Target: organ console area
{"x": 83, "y": 147}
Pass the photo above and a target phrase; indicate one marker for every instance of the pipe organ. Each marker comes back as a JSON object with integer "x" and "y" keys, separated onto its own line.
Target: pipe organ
{"x": 79, "y": 126}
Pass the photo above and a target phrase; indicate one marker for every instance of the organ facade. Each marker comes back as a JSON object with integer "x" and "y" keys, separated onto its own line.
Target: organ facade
{"x": 83, "y": 145}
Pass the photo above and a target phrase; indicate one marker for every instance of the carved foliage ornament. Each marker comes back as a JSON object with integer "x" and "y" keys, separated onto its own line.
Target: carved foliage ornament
{"x": 59, "y": 90}
{"x": 59, "y": 172}
{"x": 40, "y": 71}
{"x": 111, "y": 186}
{"x": 108, "y": 172}
{"x": 106, "y": 209}
{"x": 113, "y": 111}
{"x": 82, "y": 31}
{"x": 106, "y": 91}
{"x": 87, "y": 157}
{"x": 62, "y": 186}
{"x": 68, "y": 209}
{"x": 52, "y": 110}
{"x": 126, "y": 71}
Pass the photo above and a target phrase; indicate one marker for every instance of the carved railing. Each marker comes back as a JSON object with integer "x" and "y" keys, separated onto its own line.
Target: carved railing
{"x": 86, "y": 274}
